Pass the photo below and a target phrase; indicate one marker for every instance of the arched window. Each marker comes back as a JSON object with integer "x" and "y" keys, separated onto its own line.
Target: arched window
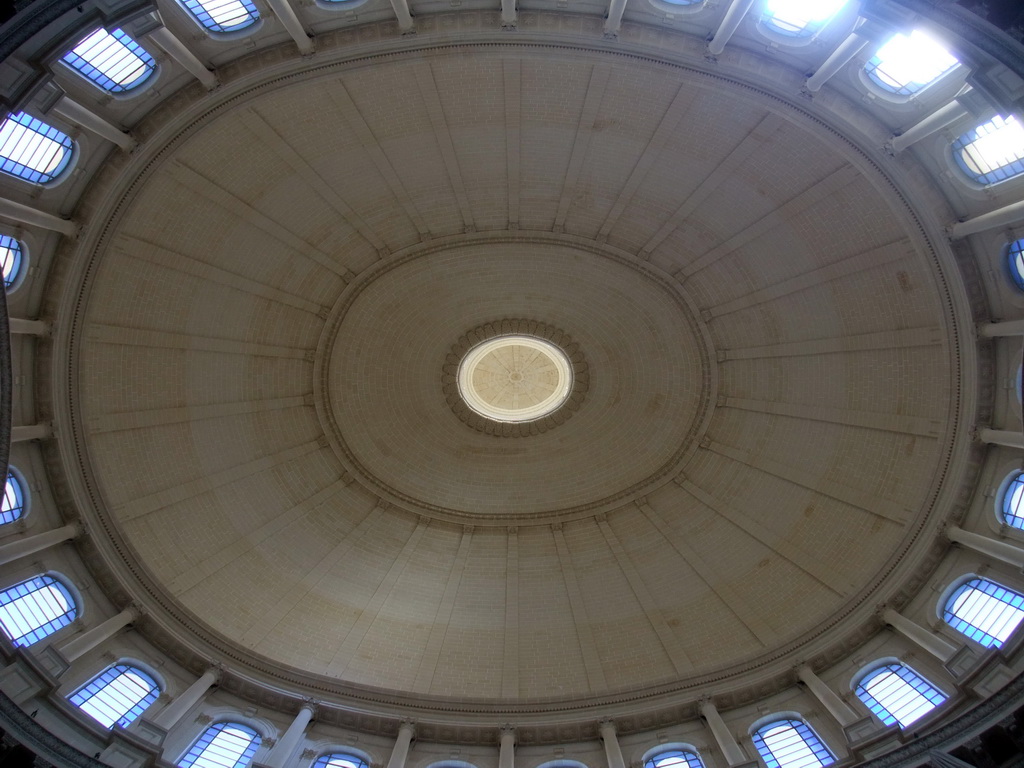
{"x": 111, "y": 60}
{"x": 984, "y": 611}
{"x": 32, "y": 150}
{"x": 339, "y": 760}
{"x": 908, "y": 63}
{"x": 35, "y": 608}
{"x": 790, "y": 743}
{"x": 14, "y": 500}
{"x": 1015, "y": 262}
{"x": 117, "y": 695}
{"x": 11, "y": 253}
{"x": 222, "y": 15}
{"x": 799, "y": 18}
{"x": 897, "y": 694}
{"x": 223, "y": 745}
{"x": 992, "y": 152}
{"x": 1012, "y": 506}
{"x": 674, "y": 758}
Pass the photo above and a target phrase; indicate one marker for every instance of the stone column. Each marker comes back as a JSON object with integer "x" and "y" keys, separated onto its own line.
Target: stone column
{"x": 401, "y": 9}
{"x": 1007, "y": 328}
{"x": 611, "y": 745}
{"x": 1002, "y": 437}
{"x": 1000, "y": 217}
{"x": 925, "y": 638}
{"x": 286, "y": 15}
{"x": 26, "y": 214}
{"x": 178, "y": 51}
{"x": 76, "y": 113}
{"x": 32, "y": 544}
{"x": 31, "y": 432}
{"x": 1000, "y": 550}
{"x": 737, "y": 10}
{"x": 173, "y": 712}
{"x": 507, "y": 753}
{"x": 81, "y": 644}
{"x": 933, "y": 123}
{"x": 841, "y": 56}
{"x": 28, "y": 327}
{"x": 286, "y": 745}
{"x": 829, "y": 699}
{"x": 732, "y": 751}
{"x": 400, "y": 752}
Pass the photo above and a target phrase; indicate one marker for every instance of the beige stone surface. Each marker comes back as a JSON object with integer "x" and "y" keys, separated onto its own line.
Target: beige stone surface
{"x": 260, "y": 375}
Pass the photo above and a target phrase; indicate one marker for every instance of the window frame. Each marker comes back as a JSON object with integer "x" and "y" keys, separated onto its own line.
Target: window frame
{"x": 119, "y": 669}
{"x": 775, "y": 31}
{"x": 910, "y": 677}
{"x": 55, "y": 623}
{"x": 902, "y": 95}
{"x": 18, "y": 270}
{"x": 666, "y": 751}
{"x": 217, "y": 30}
{"x": 209, "y": 734}
{"x": 1010, "y": 483}
{"x": 323, "y": 760}
{"x": 802, "y": 729}
{"x": 1011, "y": 251}
{"x": 89, "y": 70}
{"x": 17, "y": 483}
{"x": 975, "y": 633}
{"x": 9, "y": 166}
{"x": 996, "y": 176}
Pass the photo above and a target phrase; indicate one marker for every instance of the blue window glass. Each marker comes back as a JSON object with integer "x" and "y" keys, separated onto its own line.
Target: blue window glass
{"x": 790, "y": 743}
{"x": 223, "y": 15}
{"x": 14, "y": 500}
{"x": 339, "y": 760}
{"x": 111, "y": 60}
{"x": 32, "y": 150}
{"x": 224, "y": 745}
{"x": 984, "y": 611}
{"x": 117, "y": 695}
{"x": 11, "y": 253}
{"x": 35, "y": 608}
{"x": 1015, "y": 262}
{"x": 897, "y": 694}
{"x": 675, "y": 758}
{"x": 908, "y": 63}
{"x": 1013, "y": 502}
{"x": 799, "y": 18}
{"x": 992, "y": 152}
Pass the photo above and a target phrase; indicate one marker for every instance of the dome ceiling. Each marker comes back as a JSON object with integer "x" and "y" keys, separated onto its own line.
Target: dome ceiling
{"x": 261, "y": 357}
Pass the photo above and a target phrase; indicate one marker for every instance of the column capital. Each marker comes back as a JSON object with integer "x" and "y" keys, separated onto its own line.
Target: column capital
{"x": 607, "y": 726}
{"x": 407, "y": 726}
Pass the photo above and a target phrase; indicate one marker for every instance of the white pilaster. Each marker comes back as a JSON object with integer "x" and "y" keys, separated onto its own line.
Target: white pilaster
{"x": 732, "y": 751}
{"x": 168, "y": 717}
{"x": 81, "y": 644}
{"x": 925, "y": 638}
{"x": 1000, "y": 550}
{"x": 1004, "y": 437}
{"x": 25, "y": 214}
{"x": 31, "y": 432}
{"x": 32, "y": 544}
{"x": 737, "y": 10}
{"x": 400, "y": 752}
{"x": 296, "y": 731}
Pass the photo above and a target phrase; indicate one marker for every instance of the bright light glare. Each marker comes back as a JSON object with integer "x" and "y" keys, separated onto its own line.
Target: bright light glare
{"x": 999, "y": 142}
{"x": 800, "y": 13}
{"x": 916, "y": 60}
